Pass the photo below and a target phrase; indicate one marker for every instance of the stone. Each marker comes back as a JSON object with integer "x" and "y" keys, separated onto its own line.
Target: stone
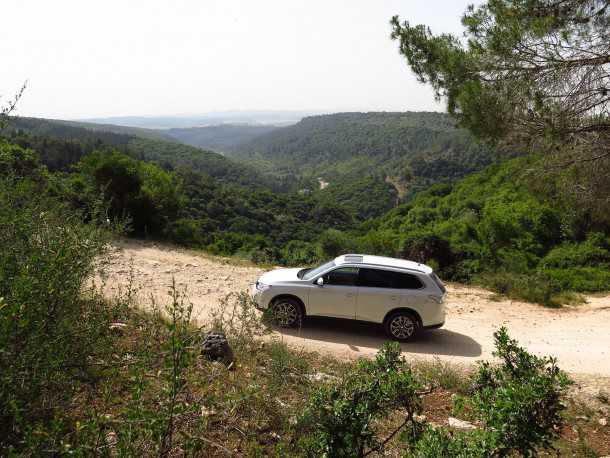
{"x": 460, "y": 424}
{"x": 117, "y": 326}
{"x": 321, "y": 377}
{"x": 215, "y": 347}
{"x": 602, "y": 422}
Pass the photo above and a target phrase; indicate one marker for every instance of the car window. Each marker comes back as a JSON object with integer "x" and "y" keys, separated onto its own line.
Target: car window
{"x": 378, "y": 278}
{"x": 318, "y": 270}
{"x": 375, "y": 278}
{"x": 343, "y": 276}
{"x": 438, "y": 282}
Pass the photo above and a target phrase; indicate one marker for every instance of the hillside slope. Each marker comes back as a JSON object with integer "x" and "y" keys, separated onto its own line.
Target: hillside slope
{"x": 62, "y": 144}
{"x": 218, "y": 138}
{"x": 388, "y": 155}
{"x": 423, "y": 144}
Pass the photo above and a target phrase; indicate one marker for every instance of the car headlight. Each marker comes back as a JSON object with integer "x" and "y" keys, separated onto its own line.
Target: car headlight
{"x": 261, "y": 286}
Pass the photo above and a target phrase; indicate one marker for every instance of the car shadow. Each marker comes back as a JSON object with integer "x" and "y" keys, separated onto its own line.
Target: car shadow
{"x": 357, "y": 334}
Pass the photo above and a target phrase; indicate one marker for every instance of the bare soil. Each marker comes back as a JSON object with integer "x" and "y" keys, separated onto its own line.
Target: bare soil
{"x": 579, "y": 336}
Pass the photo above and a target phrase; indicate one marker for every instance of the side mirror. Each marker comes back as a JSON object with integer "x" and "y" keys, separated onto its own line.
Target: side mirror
{"x": 320, "y": 281}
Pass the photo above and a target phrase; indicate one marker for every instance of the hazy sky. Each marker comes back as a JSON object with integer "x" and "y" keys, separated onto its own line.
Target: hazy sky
{"x": 87, "y": 58}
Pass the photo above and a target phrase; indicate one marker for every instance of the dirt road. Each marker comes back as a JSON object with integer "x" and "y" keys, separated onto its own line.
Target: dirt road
{"x": 578, "y": 336}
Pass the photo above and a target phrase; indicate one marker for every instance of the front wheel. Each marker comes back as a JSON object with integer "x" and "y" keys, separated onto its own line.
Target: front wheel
{"x": 401, "y": 326}
{"x": 286, "y": 313}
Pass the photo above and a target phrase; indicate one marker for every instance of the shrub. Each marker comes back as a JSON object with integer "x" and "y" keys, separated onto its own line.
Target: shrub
{"x": 438, "y": 442}
{"x": 580, "y": 279}
{"x": 339, "y": 420}
{"x": 520, "y": 400}
{"x": 185, "y": 231}
{"x": 51, "y": 326}
{"x": 535, "y": 287}
{"x": 334, "y": 243}
{"x": 297, "y": 252}
{"x": 594, "y": 252}
{"x": 284, "y": 364}
{"x": 426, "y": 247}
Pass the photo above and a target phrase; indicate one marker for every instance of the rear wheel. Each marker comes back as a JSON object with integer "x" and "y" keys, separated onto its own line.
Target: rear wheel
{"x": 286, "y": 312}
{"x": 401, "y": 326}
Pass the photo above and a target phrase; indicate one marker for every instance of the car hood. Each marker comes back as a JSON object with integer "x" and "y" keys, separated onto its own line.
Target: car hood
{"x": 279, "y": 275}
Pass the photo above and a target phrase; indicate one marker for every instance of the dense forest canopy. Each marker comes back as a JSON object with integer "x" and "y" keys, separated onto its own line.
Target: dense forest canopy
{"x": 390, "y": 155}
{"x": 61, "y": 145}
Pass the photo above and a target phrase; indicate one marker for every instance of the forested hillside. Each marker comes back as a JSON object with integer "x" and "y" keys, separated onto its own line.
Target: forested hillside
{"x": 391, "y": 154}
{"x": 62, "y": 144}
{"x": 401, "y": 144}
{"x": 219, "y": 138}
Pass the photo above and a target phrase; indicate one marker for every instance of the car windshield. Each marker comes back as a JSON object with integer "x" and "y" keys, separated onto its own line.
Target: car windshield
{"x": 318, "y": 270}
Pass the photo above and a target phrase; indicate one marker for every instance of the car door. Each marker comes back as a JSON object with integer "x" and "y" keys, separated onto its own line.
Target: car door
{"x": 378, "y": 294}
{"x": 337, "y": 296}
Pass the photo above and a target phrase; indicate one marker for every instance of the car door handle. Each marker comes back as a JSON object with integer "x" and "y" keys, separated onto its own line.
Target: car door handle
{"x": 349, "y": 295}
{"x": 393, "y": 298}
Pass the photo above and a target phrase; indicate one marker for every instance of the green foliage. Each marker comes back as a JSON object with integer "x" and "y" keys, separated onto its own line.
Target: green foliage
{"x": 518, "y": 66}
{"x": 437, "y": 442}
{"x": 145, "y": 193}
{"x": 297, "y": 252}
{"x": 532, "y": 75}
{"x": 532, "y": 287}
{"x": 284, "y": 364}
{"x": 495, "y": 228}
{"x": 51, "y": 325}
{"x": 520, "y": 400}
{"x": 334, "y": 243}
{"x": 369, "y": 160}
{"x": 339, "y": 420}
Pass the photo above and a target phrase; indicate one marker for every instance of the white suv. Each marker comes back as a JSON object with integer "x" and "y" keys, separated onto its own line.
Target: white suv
{"x": 404, "y": 296}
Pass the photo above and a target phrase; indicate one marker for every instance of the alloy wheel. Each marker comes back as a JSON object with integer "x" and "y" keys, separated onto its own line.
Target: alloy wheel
{"x": 402, "y": 327}
{"x": 285, "y": 314}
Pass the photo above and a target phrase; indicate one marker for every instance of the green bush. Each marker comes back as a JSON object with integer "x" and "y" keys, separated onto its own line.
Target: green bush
{"x": 593, "y": 252}
{"x": 438, "y": 442}
{"x": 519, "y": 401}
{"x": 516, "y": 406}
{"x": 297, "y": 252}
{"x": 334, "y": 243}
{"x": 579, "y": 279}
{"x": 339, "y": 420}
{"x": 52, "y": 327}
{"x": 534, "y": 287}
{"x": 184, "y": 231}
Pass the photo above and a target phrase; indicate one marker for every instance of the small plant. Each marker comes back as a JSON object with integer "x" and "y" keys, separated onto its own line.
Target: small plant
{"x": 340, "y": 420}
{"x": 238, "y": 318}
{"x": 519, "y": 401}
{"x": 284, "y": 364}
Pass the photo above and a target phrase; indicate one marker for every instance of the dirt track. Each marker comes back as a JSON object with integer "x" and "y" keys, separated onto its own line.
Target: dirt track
{"x": 578, "y": 336}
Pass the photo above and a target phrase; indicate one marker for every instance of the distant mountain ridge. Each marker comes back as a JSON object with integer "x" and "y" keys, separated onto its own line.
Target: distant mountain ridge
{"x": 252, "y": 117}
{"x": 220, "y": 138}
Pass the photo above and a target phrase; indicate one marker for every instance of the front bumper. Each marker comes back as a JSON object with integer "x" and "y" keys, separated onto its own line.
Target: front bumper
{"x": 258, "y": 298}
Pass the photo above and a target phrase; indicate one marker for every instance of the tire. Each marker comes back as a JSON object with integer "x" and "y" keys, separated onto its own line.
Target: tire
{"x": 401, "y": 326}
{"x": 286, "y": 312}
